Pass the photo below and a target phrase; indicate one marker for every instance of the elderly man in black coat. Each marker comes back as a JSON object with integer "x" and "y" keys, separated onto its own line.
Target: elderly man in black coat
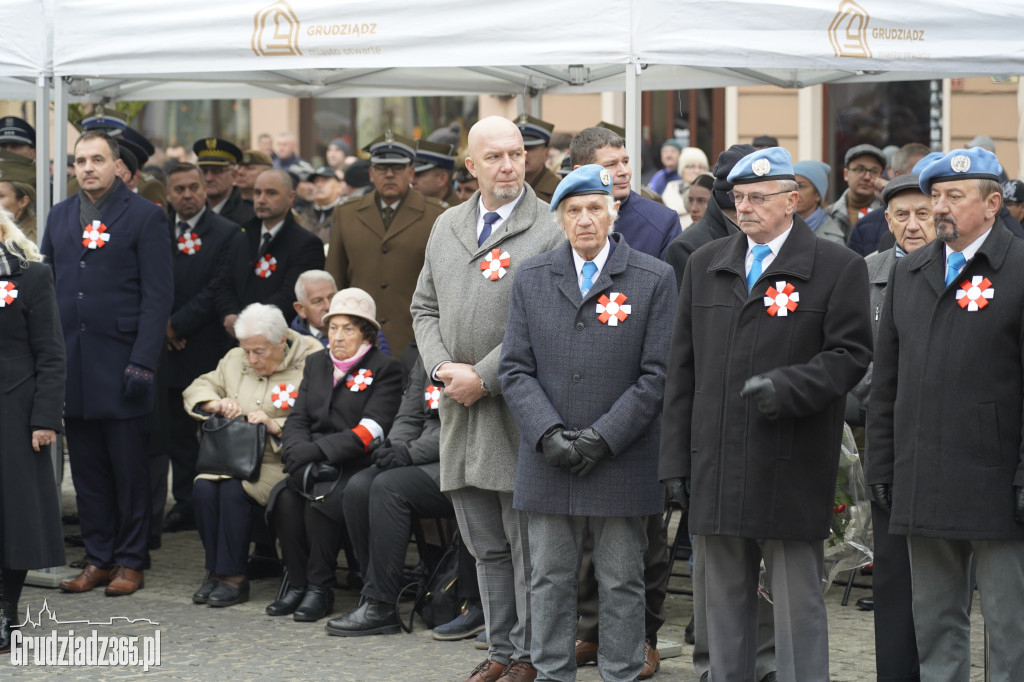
{"x": 950, "y": 372}
{"x": 582, "y": 369}
{"x": 772, "y": 331}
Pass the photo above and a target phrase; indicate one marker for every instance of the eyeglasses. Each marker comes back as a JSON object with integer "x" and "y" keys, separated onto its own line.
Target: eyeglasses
{"x": 870, "y": 172}
{"x": 386, "y": 168}
{"x": 755, "y": 198}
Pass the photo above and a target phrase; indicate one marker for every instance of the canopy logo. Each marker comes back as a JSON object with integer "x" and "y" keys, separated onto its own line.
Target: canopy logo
{"x": 275, "y": 31}
{"x": 848, "y": 31}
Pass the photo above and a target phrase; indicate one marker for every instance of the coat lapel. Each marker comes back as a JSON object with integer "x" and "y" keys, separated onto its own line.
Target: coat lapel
{"x": 409, "y": 213}
{"x": 933, "y": 266}
{"x": 730, "y": 258}
{"x": 370, "y": 217}
{"x": 564, "y": 267}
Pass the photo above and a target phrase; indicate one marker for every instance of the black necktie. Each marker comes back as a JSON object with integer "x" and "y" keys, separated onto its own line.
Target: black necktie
{"x": 264, "y": 243}
{"x": 489, "y": 220}
{"x": 183, "y": 228}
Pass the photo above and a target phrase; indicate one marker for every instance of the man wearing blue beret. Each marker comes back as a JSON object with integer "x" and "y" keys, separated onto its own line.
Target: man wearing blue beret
{"x": 771, "y": 332}
{"x": 944, "y": 420}
{"x": 582, "y": 369}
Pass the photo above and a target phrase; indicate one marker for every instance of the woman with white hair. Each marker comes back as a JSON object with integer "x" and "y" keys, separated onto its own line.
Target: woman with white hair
{"x": 31, "y": 401}
{"x": 248, "y": 381}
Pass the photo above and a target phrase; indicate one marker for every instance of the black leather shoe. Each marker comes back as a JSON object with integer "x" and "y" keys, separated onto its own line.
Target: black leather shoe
{"x": 866, "y": 603}
{"x": 289, "y": 601}
{"x": 8, "y": 622}
{"x": 317, "y": 603}
{"x": 770, "y": 677}
{"x": 178, "y": 521}
{"x": 203, "y": 593}
{"x": 225, "y": 594}
{"x": 371, "y": 618}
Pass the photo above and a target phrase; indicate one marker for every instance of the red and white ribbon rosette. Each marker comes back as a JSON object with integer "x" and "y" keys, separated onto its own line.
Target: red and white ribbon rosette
{"x": 8, "y": 292}
{"x": 283, "y": 396}
{"x": 265, "y": 266}
{"x": 95, "y": 235}
{"x": 492, "y": 267}
{"x": 611, "y": 309}
{"x": 359, "y": 381}
{"x": 974, "y": 295}
{"x": 189, "y": 244}
{"x": 781, "y": 299}
{"x": 433, "y": 397}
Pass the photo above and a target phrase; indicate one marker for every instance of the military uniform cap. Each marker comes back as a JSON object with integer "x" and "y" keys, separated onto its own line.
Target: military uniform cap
{"x": 434, "y": 155}
{"x": 254, "y": 157}
{"x": 901, "y": 183}
{"x": 131, "y": 154}
{"x": 565, "y": 167}
{"x": 105, "y": 122}
{"x": 771, "y": 163}
{"x": 214, "y": 151}
{"x": 589, "y": 179}
{"x": 865, "y": 150}
{"x": 14, "y": 130}
{"x": 618, "y": 130}
{"x": 390, "y": 148}
{"x": 535, "y": 132}
{"x": 961, "y": 164}
{"x": 141, "y": 143}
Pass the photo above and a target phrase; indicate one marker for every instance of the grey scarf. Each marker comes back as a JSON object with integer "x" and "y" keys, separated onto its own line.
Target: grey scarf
{"x": 88, "y": 211}
{"x": 11, "y": 260}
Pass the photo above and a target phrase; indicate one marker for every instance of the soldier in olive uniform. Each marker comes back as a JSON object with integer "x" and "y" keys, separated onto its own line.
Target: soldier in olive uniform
{"x": 17, "y": 151}
{"x": 536, "y": 137}
{"x": 434, "y": 169}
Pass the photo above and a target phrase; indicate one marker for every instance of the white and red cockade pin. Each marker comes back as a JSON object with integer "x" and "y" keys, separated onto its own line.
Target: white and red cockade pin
{"x": 433, "y": 397}
{"x": 493, "y": 266}
{"x": 974, "y": 295}
{"x": 8, "y": 292}
{"x": 611, "y": 309}
{"x": 265, "y": 266}
{"x": 359, "y": 381}
{"x": 95, "y": 235}
{"x": 283, "y": 396}
{"x": 781, "y": 299}
{"x": 189, "y": 244}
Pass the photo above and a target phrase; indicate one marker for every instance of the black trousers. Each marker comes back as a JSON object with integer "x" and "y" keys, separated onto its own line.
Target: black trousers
{"x": 656, "y": 576}
{"x": 310, "y": 540}
{"x": 895, "y": 639}
{"x": 110, "y": 470}
{"x": 224, "y": 518}
{"x": 379, "y": 508}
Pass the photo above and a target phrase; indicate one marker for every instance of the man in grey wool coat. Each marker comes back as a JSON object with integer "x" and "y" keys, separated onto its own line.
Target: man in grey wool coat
{"x": 459, "y": 310}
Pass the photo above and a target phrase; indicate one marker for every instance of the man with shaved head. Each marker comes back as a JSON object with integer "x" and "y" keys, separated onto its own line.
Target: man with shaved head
{"x": 459, "y": 310}
{"x": 275, "y": 252}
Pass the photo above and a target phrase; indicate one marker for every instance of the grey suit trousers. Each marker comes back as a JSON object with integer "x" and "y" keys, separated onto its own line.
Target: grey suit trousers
{"x": 794, "y": 569}
{"x": 496, "y": 535}
{"x": 941, "y": 574}
{"x": 556, "y": 544}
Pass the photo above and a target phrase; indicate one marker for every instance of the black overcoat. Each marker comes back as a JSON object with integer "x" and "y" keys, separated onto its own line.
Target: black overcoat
{"x": 752, "y": 476}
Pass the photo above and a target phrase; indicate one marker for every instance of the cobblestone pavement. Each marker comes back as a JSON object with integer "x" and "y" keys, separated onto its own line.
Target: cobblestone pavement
{"x": 241, "y": 642}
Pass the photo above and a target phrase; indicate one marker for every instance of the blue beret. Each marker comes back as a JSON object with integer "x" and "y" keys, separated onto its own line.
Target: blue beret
{"x": 14, "y": 130}
{"x": 589, "y": 179}
{"x": 925, "y": 161}
{"x": 816, "y": 172}
{"x": 961, "y": 164}
{"x": 772, "y": 163}
{"x": 390, "y": 148}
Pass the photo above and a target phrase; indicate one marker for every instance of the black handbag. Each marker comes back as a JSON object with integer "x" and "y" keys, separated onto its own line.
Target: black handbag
{"x": 231, "y": 447}
{"x": 437, "y": 600}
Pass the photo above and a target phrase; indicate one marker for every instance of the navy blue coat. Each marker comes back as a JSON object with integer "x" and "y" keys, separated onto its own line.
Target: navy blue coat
{"x": 561, "y": 365}
{"x": 114, "y": 301}
{"x": 648, "y": 226}
{"x": 194, "y": 315}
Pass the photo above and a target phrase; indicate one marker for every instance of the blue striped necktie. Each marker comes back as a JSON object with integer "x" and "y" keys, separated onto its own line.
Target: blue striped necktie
{"x": 761, "y": 251}
{"x": 589, "y": 270}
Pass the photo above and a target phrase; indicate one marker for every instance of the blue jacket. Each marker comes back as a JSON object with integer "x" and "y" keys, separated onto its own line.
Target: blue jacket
{"x": 647, "y": 225}
{"x": 114, "y": 300}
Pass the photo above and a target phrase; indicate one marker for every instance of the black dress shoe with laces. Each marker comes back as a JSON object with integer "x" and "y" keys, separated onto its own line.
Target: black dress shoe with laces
{"x": 317, "y": 603}
{"x": 289, "y": 601}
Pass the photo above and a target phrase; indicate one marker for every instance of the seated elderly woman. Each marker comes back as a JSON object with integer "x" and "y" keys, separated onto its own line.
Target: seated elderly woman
{"x": 348, "y": 398}
{"x": 246, "y": 381}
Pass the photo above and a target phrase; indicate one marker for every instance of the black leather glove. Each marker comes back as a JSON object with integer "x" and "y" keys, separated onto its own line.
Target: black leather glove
{"x": 592, "y": 450}
{"x": 762, "y": 390}
{"x": 1019, "y": 516}
{"x": 138, "y": 382}
{"x": 556, "y": 444}
{"x": 300, "y": 455}
{"x": 882, "y": 493}
{"x": 392, "y": 456}
{"x": 678, "y": 490}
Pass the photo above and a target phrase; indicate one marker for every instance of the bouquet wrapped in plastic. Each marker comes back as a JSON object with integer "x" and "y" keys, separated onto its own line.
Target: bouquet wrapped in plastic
{"x": 849, "y": 545}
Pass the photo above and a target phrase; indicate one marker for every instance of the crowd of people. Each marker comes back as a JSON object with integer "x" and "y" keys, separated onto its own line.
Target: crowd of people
{"x": 479, "y": 329}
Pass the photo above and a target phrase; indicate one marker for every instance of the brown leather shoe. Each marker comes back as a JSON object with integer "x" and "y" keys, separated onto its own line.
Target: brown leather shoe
{"x": 124, "y": 581}
{"x": 517, "y": 671}
{"x": 652, "y": 661}
{"x": 488, "y": 671}
{"x": 586, "y": 652}
{"x": 92, "y": 576}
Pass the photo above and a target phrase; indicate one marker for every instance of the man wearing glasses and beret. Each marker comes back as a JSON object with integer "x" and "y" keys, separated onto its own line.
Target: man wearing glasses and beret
{"x": 862, "y": 166}
{"x": 771, "y": 332}
{"x": 378, "y": 240}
